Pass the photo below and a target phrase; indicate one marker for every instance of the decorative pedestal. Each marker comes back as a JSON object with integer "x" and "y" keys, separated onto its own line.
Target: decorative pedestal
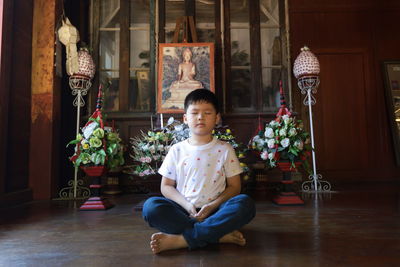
{"x": 95, "y": 202}
{"x": 287, "y": 197}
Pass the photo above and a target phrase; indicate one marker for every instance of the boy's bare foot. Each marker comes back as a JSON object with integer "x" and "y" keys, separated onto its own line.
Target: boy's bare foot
{"x": 234, "y": 237}
{"x": 160, "y": 242}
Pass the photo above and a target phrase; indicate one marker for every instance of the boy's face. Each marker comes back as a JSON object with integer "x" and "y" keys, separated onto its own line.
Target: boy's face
{"x": 201, "y": 117}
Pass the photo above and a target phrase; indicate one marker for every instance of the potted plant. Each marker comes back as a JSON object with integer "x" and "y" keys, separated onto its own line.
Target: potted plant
{"x": 97, "y": 148}
{"x": 283, "y": 143}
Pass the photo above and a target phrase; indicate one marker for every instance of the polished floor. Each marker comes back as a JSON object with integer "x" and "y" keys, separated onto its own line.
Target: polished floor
{"x": 356, "y": 225}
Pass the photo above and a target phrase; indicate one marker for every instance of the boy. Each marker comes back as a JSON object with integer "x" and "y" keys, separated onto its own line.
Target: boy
{"x": 201, "y": 186}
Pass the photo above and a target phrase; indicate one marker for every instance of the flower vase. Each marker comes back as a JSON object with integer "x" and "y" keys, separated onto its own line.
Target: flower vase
{"x": 96, "y": 201}
{"x": 94, "y": 171}
{"x": 287, "y": 166}
{"x": 287, "y": 197}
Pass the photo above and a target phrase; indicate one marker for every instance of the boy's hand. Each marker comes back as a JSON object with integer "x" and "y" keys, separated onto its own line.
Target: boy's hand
{"x": 204, "y": 212}
{"x": 189, "y": 207}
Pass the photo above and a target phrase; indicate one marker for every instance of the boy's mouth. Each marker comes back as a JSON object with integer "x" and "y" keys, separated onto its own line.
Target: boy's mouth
{"x": 200, "y": 125}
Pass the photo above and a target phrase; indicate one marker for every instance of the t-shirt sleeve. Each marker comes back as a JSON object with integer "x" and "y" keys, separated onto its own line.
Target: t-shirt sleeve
{"x": 232, "y": 164}
{"x": 168, "y": 167}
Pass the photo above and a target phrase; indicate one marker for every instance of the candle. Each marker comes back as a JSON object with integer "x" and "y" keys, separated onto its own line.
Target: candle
{"x": 162, "y": 122}
{"x": 151, "y": 122}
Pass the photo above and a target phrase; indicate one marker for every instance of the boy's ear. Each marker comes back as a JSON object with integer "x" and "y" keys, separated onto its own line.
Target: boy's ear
{"x": 218, "y": 119}
{"x": 184, "y": 118}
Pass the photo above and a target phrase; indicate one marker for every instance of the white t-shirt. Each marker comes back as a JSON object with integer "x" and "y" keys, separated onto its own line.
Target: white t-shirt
{"x": 200, "y": 172}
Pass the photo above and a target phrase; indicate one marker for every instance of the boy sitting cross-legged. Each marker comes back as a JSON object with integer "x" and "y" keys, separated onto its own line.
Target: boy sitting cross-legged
{"x": 201, "y": 186}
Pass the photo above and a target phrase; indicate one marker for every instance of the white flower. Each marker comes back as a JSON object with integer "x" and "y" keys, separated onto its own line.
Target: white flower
{"x": 264, "y": 155}
{"x": 258, "y": 142}
{"x": 271, "y": 155}
{"x": 299, "y": 144}
{"x": 286, "y": 119}
{"x": 88, "y": 130}
{"x": 161, "y": 147}
{"x": 271, "y": 143}
{"x": 282, "y": 132}
{"x": 269, "y": 132}
{"x": 152, "y": 149}
{"x": 273, "y": 124}
{"x": 285, "y": 142}
{"x": 292, "y": 132}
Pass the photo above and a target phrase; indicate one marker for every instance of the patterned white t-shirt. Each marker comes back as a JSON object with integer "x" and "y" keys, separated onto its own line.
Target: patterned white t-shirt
{"x": 200, "y": 172}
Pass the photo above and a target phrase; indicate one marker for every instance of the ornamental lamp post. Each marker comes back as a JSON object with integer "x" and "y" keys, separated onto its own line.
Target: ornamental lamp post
{"x": 81, "y": 69}
{"x": 306, "y": 69}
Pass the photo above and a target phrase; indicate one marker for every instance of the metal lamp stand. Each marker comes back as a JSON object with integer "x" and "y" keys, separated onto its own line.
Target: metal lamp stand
{"x": 79, "y": 86}
{"x": 309, "y": 85}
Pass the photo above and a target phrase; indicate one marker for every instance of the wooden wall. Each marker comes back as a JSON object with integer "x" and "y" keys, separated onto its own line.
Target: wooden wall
{"x": 15, "y": 97}
{"x": 351, "y": 39}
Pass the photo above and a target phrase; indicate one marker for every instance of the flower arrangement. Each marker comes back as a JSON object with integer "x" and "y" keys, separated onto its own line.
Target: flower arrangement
{"x": 225, "y": 134}
{"x": 148, "y": 150}
{"x": 283, "y": 139}
{"x": 96, "y": 146}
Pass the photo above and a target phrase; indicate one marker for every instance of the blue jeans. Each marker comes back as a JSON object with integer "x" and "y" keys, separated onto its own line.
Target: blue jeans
{"x": 169, "y": 217}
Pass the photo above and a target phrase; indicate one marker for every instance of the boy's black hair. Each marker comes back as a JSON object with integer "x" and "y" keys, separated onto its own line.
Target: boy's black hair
{"x": 201, "y": 95}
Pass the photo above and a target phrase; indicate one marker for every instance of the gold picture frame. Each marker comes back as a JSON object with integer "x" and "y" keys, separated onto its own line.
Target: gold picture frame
{"x": 182, "y": 68}
{"x": 391, "y": 73}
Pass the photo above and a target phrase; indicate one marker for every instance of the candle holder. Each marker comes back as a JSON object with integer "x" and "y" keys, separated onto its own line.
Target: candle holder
{"x": 306, "y": 69}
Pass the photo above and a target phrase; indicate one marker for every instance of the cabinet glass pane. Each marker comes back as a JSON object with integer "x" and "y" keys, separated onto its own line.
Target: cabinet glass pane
{"x": 140, "y": 49}
{"x": 139, "y": 91}
{"x": 205, "y": 21}
{"x": 109, "y": 50}
{"x": 269, "y": 13}
{"x": 270, "y": 89}
{"x": 271, "y": 56}
{"x": 271, "y": 47}
{"x": 109, "y": 14}
{"x": 140, "y": 13}
{"x": 241, "y": 91}
{"x": 173, "y": 10}
{"x": 110, "y": 80}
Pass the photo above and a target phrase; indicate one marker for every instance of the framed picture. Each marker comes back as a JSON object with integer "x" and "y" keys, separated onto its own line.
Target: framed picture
{"x": 182, "y": 68}
{"x": 391, "y": 74}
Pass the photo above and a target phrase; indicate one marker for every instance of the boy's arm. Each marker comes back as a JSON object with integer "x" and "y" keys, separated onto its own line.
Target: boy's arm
{"x": 233, "y": 187}
{"x": 169, "y": 191}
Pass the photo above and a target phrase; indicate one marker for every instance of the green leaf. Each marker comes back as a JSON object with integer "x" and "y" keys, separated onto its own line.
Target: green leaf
{"x": 73, "y": 142}
{"x": 102, "y": 152}
{"x": 78, "y": 162}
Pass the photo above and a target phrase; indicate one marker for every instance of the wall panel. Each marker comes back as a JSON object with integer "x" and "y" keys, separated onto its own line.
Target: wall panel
{"x": 351, "y": 38}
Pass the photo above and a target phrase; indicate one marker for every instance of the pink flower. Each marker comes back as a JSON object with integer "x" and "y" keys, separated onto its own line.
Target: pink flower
{"x": 264, "y": 155}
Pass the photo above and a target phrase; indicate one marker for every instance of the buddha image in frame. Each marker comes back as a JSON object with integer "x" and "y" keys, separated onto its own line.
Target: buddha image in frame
{"x": 184, "y": 69}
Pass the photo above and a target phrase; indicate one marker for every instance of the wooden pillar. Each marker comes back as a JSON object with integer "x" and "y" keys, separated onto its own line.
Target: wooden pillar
{"x": 6, "y": 17}
{"x": 44, "y": 139}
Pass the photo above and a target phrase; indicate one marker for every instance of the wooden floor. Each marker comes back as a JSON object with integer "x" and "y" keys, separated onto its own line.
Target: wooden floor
{"x": 354, "y": 226}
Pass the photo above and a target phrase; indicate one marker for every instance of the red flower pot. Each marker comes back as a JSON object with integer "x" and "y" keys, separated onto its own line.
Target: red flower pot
{"x": 94, "y": 170}
{"x": 286, "y": 166}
